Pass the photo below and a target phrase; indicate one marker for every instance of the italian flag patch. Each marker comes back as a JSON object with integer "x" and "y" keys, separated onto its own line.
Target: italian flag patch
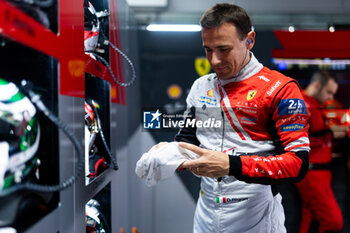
{"x": 220, "y": 200}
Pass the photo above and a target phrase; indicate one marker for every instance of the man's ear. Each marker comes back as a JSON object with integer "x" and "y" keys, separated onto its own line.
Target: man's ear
{"x": 317, "y": 86}
{"x": 250, "y": 40}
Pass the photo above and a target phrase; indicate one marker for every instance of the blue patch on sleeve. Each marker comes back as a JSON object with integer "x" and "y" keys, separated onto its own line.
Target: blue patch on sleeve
{"x": 291, "y": 107}
{"x": 292, "y": 127}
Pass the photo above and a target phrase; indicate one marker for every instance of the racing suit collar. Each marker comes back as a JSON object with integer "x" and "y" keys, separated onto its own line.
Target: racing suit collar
{"x": 253, "y": 67}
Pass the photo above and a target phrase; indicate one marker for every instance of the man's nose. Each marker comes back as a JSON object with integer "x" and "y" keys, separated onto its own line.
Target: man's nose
{"x": 215, "y": 59}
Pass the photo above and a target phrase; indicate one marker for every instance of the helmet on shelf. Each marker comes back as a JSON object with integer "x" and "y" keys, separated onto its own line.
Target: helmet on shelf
{"x": 94, "y": 218}
{"x": 96, "y": 162}
{"x": 19, "y": 135}
{"x": 91, "y": 28}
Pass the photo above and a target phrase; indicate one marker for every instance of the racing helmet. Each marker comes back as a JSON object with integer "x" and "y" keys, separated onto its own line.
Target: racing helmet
{"x": 91, "y": 27}
{"x": 19, "y": 135}
{"x": 94, "y": 219}
{"x": 95, "y": 163}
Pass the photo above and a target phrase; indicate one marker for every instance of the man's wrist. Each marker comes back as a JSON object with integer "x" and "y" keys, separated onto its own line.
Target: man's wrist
{"x": 235, "y": 165}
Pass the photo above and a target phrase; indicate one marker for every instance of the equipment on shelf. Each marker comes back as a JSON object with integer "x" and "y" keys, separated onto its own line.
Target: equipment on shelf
{"x": 20, "y": 137}
{"x": 92, "y": 32}
{"x": 92, "y": 25}
{"x": 94, "y": 218}
{"x": 93, "y": 128}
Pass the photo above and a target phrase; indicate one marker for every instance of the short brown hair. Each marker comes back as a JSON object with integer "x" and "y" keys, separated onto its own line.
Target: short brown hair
{"x": 227, "y": 13}
{"x": 323, "y": 77}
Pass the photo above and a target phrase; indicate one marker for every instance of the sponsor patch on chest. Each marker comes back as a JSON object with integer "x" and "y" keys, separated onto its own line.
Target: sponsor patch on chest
{"x": 246, "y": 107}
{"x": 207, "y": 100}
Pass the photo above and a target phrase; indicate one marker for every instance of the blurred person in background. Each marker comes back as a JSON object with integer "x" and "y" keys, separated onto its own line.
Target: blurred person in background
{"x": 318, "y": 200}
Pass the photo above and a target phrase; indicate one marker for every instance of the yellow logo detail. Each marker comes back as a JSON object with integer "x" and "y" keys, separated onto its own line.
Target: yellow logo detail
{"x": 251, "y": 94}
{"x": 210, "y": 92}
{"x": 202, "y": 66}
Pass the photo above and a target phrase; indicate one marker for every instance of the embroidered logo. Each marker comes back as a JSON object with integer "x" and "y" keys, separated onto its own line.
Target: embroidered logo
{"x": 210, "y": 92}
{"x": 273, "y": 88}
{"x": 291, "y": 107}
{"x": 207, "y": 100}
{"x": 292, "y": 127}
{"x": 251, "y": 94}
{"x": 264, "y": 78}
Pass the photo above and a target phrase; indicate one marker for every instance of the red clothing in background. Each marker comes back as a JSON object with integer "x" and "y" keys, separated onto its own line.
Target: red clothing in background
{"x": 318, "y": 201}
{"x": 320, "y": 136}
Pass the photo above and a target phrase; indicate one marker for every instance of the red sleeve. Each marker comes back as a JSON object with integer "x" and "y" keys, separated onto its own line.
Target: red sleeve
{"x": 290, "y": 118}
{"x": 290, "y": 115}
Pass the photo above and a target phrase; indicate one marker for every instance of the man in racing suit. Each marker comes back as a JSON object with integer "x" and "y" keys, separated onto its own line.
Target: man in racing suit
{"x": 263, "y": 139}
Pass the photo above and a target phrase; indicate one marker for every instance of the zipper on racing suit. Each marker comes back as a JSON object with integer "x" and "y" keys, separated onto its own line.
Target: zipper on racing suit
{"x": 223, "y": 132}
{"x": 217, "y": 219}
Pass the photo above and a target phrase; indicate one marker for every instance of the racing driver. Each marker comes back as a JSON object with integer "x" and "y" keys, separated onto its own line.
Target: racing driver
{"x": 263, "y": 139}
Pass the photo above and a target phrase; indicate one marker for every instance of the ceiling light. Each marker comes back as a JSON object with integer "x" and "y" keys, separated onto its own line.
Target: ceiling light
{"x": 174, "y": 27}
{"x": 291, "y": 28}
{"x": 331, "y": 28}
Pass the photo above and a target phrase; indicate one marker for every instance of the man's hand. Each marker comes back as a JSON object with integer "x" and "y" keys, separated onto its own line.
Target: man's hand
{"x": 210, "y": 163}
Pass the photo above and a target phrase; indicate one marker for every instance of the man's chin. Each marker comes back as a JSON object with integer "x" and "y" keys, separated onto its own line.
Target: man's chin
{"x": 223, "y": 77}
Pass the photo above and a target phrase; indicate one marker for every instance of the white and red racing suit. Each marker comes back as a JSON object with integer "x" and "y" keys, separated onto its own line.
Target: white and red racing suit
{"x": 265, "y": 133}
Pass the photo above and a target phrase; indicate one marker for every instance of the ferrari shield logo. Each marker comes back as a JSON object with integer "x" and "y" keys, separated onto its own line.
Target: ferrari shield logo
{"x": 251, "y": 94}
{"x": 202, "y": 66}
